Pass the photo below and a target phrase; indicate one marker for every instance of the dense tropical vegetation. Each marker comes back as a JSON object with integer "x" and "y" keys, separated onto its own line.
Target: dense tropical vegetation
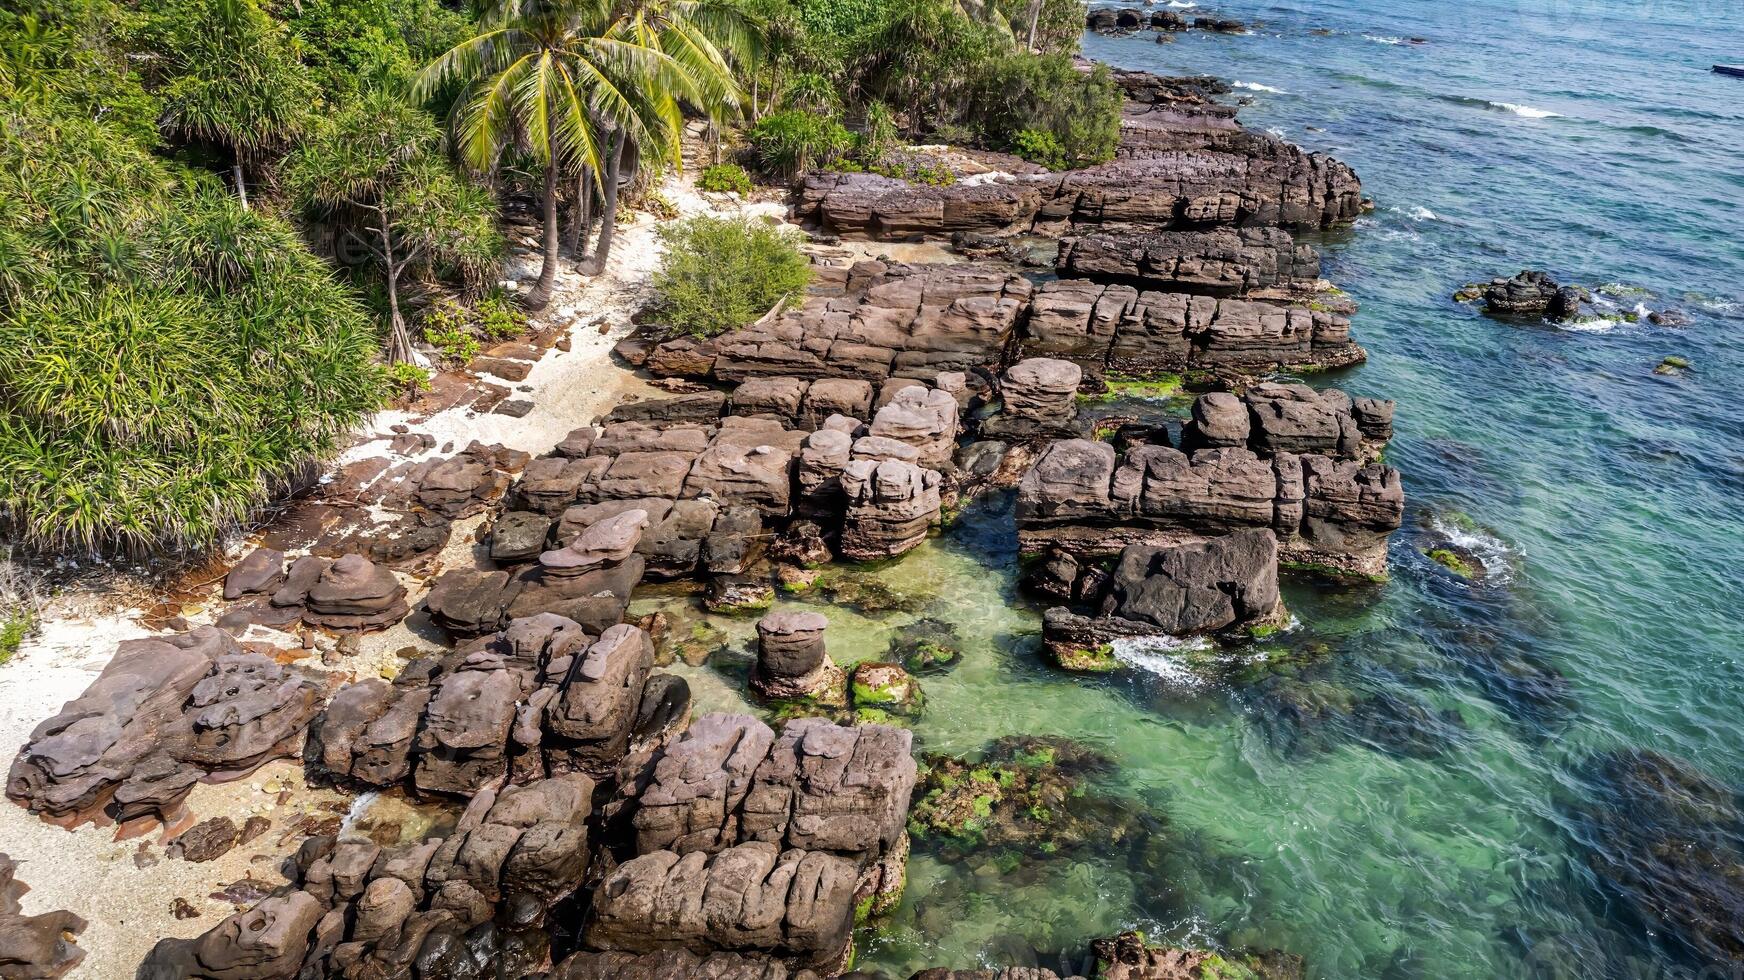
{"x": 219, "y": 218}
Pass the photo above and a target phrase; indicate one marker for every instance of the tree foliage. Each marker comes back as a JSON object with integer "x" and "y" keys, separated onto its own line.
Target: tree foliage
{"x": 953, "y": 70}
{"x": 166, "y": 357}
{"x": 374, "y": 171}
{"x": 721, "y": 273}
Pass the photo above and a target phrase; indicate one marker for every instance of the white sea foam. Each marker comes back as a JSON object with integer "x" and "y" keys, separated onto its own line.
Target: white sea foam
{"x": 1417, "y": 213}
{"x": 1257, "y": 87}
{"x": 1275, "y": 131}
{"x": 1601, "y": 324}
{"x": 1182, "y": 4}
{"x": 1384, "y": 39}
{"x": 1164, "y": 656}
{"x": 1490, "y": 551}
{"x": 1525, "y": 110}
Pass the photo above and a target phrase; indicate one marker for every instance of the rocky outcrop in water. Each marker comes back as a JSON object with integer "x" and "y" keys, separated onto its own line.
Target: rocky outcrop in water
{"x": 1532, "y": 294}
{"x": 1273, "y": 419}
{"x": 1225, "y": 583}
{"x": 1037, "y": 399}
{"x": 165, "y": 713}
{"x": 791, "y": 659}
{"x": 891, "y": 505}
{"x": 34, "y": 947}
{"x": 1121, "y": 329}
{"x": 749, "y": 840}
{"x": 1085, "y": 499}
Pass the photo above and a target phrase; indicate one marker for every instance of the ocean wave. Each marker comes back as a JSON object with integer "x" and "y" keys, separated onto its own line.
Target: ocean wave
{"x": 1524, "y": 110}
{"x": 1384, "y": 39}
{"x": 1491, "y": 551}
{"x": 1257, "y": 87}
{"x": 1181, "y": 4}
{"x": 1417, "y": 213}
{"x": 1592, "y": 324}
{"x": 1168, "y": 657}
{"x": 1275, "y": 131}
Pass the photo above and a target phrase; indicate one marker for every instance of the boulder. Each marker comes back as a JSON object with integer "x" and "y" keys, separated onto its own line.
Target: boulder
{"x": 791, "y": 660}
{"x": 1227, "y": 581}
{"x": 34, "y": 947}
{"x": 354, "y": 593}
{"x": 891, "y": 505}
{"x": 261, "y": 571}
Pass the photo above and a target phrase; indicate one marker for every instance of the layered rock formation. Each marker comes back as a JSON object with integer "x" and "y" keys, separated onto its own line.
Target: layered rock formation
{"x": 1082, "y": 498}
{"x": 1218, "y": 584}
{"x": 1161, "y": 185}
{"x": 1037, "y": 398}
{"x": 589, "y": 580}
{"x": 349, "y": 594}
{"x": 791, "y": 659}
{"x": 1221, "y": 261}
{"x": 1119, "y": 328}
{"x": 432, "y": 908}
{"x": 871, "y": 321}
{"x": 34, "y": 947}
{"x": 1290, "y": 418}
{"x": 165, "y": 713}
{"x": 544, "y": 696}
{"x": 752, "y": 841}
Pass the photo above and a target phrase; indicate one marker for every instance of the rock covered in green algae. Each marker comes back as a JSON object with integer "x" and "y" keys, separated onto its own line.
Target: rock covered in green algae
{"x": 1128, "y": 957}
{"x": 866, "y": 590}
{"x": 1025, "y": 794}
{"x": 884, "y": 693}
{"x": 927, "y": 646}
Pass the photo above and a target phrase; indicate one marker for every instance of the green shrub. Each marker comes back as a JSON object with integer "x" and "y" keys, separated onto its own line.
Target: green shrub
{"x": 725, "y": 178}
{"x": 499, "y": 317}
{"x": 407, "y": 378}
{"x": 792, "y": 142}
{"x": 167, "y": 358}
{"x": 448, "y": 328}
{"x": 1040, "y": 146}
{"x": 721, "y": 273}
{"x": 1024, "y": 93}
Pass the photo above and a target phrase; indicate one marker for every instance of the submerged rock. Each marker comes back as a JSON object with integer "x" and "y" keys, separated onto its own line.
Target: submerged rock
{"x": 882, "y": 692}
{"x": 1668, "y": 840}
{"x": 1024, "y": 793}
{"x": 1128, "y": 957}
{"x": 927, "y": 646}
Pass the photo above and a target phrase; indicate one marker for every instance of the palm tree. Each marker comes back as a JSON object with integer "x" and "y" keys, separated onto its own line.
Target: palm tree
{"x": 548, "y": 76}
{"x": 703, "y": 40}
{"x": 578, "y": 81}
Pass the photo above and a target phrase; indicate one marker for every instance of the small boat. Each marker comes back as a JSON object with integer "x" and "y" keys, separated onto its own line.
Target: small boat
{"x": 1736, "y": 71}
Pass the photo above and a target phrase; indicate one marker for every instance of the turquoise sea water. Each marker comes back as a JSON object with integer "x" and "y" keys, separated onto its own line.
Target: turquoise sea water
{"x": 1430, "y": 824}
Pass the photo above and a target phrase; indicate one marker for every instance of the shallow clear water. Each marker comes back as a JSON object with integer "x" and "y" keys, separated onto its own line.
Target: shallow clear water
{"x": 1429, "y": 832}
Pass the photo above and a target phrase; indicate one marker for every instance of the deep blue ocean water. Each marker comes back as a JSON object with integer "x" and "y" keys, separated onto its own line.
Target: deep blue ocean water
{"x": 1422, "y": 779}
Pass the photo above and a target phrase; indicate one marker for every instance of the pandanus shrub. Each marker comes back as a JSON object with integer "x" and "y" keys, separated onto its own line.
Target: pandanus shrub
{"x": 167, "y": 358}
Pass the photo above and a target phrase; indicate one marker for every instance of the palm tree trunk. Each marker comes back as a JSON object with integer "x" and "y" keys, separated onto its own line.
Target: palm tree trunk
{"x": 609, "y": 209}
{"x": 540, "y": 297}
{"x": 581, "y": 221}
{"x": 241, "y": 188}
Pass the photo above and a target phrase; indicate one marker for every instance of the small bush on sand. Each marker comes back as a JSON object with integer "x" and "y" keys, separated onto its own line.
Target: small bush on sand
{"x": 721, "y": 273}
{"x": 725, "y": 178}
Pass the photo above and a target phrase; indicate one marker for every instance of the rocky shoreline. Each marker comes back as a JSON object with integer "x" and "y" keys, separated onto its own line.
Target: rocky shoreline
{"x": 598, "y": 830}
